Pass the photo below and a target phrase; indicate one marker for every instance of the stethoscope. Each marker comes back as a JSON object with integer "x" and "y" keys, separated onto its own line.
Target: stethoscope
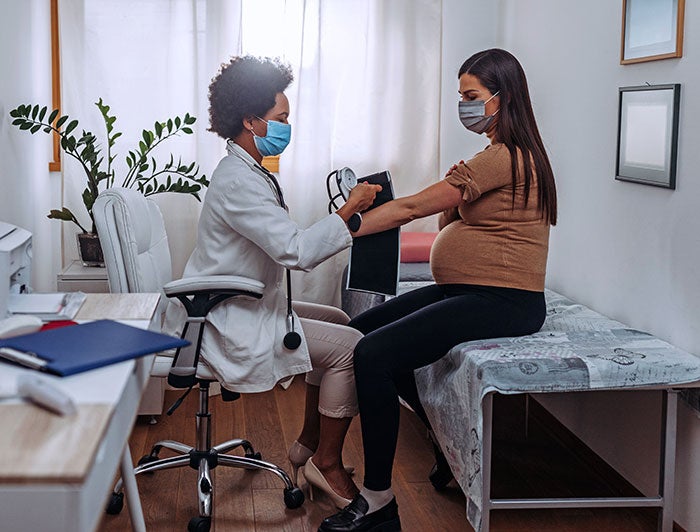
{"x": 345, "y": 180}
{"x": 292, "y": 339}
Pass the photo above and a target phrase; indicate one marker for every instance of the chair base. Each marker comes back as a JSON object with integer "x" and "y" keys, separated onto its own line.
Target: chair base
{"x": 203, "y": 458}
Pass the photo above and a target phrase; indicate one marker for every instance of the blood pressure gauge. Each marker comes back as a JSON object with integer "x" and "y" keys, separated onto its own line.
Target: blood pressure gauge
{"x": 346, "y": 180}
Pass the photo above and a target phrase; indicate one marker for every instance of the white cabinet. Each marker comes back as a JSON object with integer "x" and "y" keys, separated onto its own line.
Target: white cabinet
{"x": 78, "y": 278}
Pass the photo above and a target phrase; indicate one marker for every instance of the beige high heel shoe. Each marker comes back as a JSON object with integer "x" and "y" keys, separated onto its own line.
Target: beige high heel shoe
{"x": 315, "y": 479}
{"x": 298, "y": 455}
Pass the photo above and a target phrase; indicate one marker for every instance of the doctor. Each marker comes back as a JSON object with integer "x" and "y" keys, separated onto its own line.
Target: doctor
{"x": 244, "y": 229}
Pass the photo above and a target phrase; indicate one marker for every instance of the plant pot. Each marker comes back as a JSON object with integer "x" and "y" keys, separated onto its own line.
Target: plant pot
{"x": 90, "y": 250}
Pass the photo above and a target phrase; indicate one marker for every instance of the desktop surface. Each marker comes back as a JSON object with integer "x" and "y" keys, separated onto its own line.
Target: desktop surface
{"x": 56, "y": 472}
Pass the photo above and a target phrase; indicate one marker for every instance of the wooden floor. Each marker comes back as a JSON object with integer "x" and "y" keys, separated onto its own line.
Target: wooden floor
{"x": 252, "y": 501}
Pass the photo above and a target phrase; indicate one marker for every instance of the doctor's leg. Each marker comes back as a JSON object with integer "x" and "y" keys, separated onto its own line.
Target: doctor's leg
{"x": 331, "y": 347}
{"x": 307, "y": 442}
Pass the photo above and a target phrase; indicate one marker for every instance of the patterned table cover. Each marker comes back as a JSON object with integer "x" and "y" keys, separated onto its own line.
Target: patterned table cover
{"x": 577, "y": 349}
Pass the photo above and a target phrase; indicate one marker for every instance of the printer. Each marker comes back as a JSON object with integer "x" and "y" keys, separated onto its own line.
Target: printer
{"x": 15, "y": 262}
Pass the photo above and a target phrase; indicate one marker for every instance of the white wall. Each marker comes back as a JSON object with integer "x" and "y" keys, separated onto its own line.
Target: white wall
{"x": 629, "y": 251}
{"x": 467, "y": 27}
{"x": 25, "y": 63}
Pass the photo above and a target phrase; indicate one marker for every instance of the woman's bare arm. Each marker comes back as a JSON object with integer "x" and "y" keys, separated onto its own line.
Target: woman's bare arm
{"x": 432, "y": 200}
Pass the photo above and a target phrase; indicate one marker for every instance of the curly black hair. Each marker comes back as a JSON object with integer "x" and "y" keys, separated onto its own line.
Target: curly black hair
{"x": 245, "y": 86}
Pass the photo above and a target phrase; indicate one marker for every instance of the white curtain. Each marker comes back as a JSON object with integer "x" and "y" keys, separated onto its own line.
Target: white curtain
{"x": 366, "y": 92}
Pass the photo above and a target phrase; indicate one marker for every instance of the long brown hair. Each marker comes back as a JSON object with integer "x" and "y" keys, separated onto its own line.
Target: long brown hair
{"x": 498, "y": 70}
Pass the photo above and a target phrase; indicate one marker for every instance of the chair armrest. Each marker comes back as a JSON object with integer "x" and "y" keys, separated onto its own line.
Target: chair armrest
{"x": 216, "y": 284}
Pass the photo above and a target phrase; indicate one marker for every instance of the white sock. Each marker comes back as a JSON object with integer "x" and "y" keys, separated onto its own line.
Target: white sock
{"x": 376, "y": 499}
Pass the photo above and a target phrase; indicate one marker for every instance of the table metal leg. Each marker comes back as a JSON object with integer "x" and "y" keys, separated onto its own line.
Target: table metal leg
{"x": 486, "y": 441}
{"x": 132, "y": 492}
{"x": 667, "y": 461}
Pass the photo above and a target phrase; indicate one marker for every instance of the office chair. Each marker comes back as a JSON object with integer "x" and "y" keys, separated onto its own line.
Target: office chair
{"x": 137, "y": 258}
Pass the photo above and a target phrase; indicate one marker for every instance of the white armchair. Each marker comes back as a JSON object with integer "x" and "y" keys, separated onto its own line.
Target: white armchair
{"x": 137, "y": 257}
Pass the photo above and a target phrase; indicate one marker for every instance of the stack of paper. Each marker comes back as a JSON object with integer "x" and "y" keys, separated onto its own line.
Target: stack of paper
{"x": 48, "y": 307}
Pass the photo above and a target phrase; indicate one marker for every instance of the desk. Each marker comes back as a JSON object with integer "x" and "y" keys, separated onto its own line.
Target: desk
{"x": 56, "y": 472}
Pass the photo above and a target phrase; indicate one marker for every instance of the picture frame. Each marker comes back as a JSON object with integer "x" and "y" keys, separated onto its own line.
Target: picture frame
{"x": 647, "y": 134}
{"x": 651, "y": 30}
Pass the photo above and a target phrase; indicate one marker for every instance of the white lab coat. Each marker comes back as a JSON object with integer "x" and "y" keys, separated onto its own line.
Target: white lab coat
{"x": 244, "y": 231}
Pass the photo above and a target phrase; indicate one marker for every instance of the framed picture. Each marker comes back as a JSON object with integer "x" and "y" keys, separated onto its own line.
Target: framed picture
{"x": 647, "y": 134}
{"x": 651, "y": 30}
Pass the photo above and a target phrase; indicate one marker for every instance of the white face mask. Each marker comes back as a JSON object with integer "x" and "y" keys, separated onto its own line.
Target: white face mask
{"x": 473, "y": 115}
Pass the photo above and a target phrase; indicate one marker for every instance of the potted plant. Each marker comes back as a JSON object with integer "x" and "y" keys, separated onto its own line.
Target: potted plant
{"x": 144, "y": 173}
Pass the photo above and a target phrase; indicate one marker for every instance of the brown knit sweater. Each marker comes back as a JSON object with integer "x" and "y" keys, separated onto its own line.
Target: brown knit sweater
{"x": 487, "y": 240}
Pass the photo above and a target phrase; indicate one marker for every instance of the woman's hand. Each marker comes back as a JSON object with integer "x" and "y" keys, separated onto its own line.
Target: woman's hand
{"x": 360, "y": 199}
{"x": 453, "y": 168}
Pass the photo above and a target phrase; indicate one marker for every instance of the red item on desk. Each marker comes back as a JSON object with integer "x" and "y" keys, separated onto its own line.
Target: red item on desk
{"x": 56, "y": 324}
{"x": 415, "y": 247}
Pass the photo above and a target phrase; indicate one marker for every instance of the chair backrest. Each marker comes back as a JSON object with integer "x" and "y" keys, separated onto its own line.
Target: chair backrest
{"x": 133, "y": 239}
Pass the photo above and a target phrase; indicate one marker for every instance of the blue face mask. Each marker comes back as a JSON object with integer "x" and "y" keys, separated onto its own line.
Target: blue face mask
{"x": 275, "y": 141}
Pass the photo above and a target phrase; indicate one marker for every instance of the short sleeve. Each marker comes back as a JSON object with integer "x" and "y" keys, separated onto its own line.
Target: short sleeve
{"x": 488, "y": 170}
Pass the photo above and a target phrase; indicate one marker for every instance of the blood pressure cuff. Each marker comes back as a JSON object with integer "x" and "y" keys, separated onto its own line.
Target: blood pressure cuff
{"x": 374, "y": 259}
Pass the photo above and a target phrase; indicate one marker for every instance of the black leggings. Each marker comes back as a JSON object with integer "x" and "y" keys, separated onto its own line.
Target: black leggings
{"x": 412, "y": 331}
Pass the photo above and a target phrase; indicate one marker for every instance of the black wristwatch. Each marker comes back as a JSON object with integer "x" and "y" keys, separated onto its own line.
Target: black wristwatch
{"x": 354, "y": 222}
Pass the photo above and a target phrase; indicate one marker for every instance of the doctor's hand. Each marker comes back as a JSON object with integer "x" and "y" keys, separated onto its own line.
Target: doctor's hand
{"x": 360, "y": 199}
{"x": 454, "y": 167}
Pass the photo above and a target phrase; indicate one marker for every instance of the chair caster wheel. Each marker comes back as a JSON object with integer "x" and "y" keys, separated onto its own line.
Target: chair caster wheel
{"x": 199, "y": 524}
{"x": 293, "y": 498}
{"x": 115, "y": 503}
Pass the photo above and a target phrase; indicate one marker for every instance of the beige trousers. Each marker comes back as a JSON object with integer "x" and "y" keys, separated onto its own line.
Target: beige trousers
{"x": 331, "y": 344}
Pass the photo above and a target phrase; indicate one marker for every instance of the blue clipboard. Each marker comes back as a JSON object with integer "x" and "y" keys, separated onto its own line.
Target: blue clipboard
{"x": 77, "y": 348}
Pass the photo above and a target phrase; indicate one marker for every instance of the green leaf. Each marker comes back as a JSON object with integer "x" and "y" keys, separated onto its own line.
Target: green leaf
{"x": 42, "y": 113}
{"x": 47, "y": 129}
{"x": 63, "y": 214}
{"x": 187, "y": 130}
{"x": 159, "y": 129}
{"x": 14, "y": 113}
{"x": 36, "y": 128}
{"x": 70, "y": 127}
{"x": 18, "y": 121}
{"x": 53, "y": 116}
{"x": 35, "y": 111}
{"x": 177, "y": 122}
{"x": 61, "y": 121}
{"x": 25, "y": 125}
{"x": 170, "y": 125}
{"x": 88, "y": 199}
{"x": 146, "y": 138}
